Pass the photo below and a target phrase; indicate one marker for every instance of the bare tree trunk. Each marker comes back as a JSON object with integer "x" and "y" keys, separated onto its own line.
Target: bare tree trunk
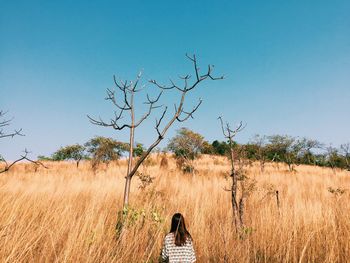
{"x": 277, "y": 199}
{"x": 235, "y": 209}
{"x": 241, "y": 212}
{"x": 78, "y": 162}
{"x": 126, "y": 191}
{"x": 131, "y": 153}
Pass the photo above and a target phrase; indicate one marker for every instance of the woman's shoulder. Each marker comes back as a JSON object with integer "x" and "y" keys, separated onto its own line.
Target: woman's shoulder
{"x": 169, "y": 236}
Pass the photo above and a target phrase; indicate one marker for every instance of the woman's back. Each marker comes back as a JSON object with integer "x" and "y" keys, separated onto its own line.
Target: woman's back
{"x": 175, "y": 254}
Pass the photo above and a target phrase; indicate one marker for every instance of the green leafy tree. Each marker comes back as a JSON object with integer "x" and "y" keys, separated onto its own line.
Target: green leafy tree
{"x": 44, "y": 158}
{"x": 187, "y": 144}
{"x": 306, "y": 155}
{"x": 139, "y": 149}
{"x": 251, "y": 151}
{"x": 104, "y": 150}
{"x": 284, "y": 148}
{"x": 207, "y": 148}
{"x": 74, "y": 152}
{"x": 221, "y": 148}
{"x": 258, "y": 150}
{"x": 276, "y": 148}
{"x": 345, "y": 150}
{"x": 334, "y": 158}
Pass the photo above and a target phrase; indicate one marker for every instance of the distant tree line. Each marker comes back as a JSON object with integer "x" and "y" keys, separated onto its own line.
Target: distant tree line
{"x": 98, "y": 150}
{"x": 275, "y": 148}
{"x": 187, "y": 145}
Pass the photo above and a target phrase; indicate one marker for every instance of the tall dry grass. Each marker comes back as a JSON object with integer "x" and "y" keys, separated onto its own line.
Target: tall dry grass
{"x": 65, "y": 214}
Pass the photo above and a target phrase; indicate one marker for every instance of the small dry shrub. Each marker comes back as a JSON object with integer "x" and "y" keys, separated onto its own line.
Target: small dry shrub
{"x": 180, "y": 162}
{"x": 337, "y": 191}
{"x": 164, "y": 161}
{"x": 145, "y": 180}
{"x": 184, "y": 165}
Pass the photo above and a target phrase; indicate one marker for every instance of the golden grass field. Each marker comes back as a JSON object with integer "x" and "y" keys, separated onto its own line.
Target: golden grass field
{"x": 68, "y": 214}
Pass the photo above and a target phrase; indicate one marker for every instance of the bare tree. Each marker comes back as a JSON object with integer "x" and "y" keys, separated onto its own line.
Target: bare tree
{"x": 128, "y": 89}
{"x": 237, "y": 201}
{"x": 4, "y": 122}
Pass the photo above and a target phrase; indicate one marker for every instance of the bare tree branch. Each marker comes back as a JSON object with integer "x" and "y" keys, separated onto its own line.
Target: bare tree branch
{"x": 222, "y": 127}
{"x": 163, "y": 87}
{"x": 113, "y": 122}
{"x": 151, "y": 103}
{"x": 199, "y": 78}
{"x": 122, "y": 86}
{"x": 159, "y": 122}
{"x": 7, "y": 122}
{"x": 193, "y": 59}
{"x": 22, "y": 158}
{"x": 136, "y": 83}
{"x": 189, "y": 114}
{"x": 3, "y": 134}
{"x": 228, "y": 132}
{"x": 15, "y": 133}
{"x": 111, "y": 97}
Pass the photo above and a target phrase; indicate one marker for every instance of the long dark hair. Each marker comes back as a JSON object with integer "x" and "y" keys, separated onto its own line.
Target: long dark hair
{"x": 178, "y": 227}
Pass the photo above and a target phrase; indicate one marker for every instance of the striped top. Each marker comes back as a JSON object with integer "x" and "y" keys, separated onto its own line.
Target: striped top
{"x": 177, "y": 254}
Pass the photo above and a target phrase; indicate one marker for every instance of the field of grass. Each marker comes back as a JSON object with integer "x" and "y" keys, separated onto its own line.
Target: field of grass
{"x": 69, "y": 214}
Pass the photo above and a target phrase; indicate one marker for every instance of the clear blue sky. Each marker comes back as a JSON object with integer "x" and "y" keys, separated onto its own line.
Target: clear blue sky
{"x": 287, "y": 65}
